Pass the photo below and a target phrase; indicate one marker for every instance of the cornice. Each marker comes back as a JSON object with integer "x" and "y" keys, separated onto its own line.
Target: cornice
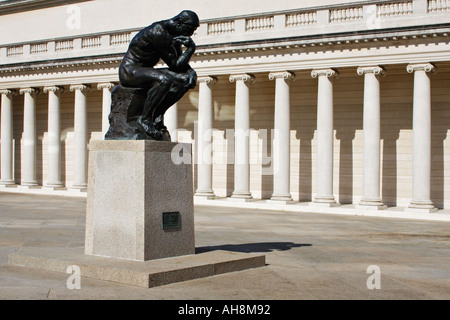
{"x": 14, "y": 6}
{"x": 377, "y": 37}
{"x": 99, "y": 61}
{"x": 269, "y": 47}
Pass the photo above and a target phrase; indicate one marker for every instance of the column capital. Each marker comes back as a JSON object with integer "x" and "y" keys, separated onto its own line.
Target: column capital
{"x": 242, "y": 77}
{"x": 8, "y": 92}
{"x": 286, "y": 75}
{"x": 29, "y": 91}
{"x": 376, "y": 70}
{"x": 54, "y": 89}
{"x": 207, "y": 80}
{"x": 80, "y": 87}
{"x": 329, "y": 73}
{"x": 427, "y": 67}
{"x": 105, "y": 85}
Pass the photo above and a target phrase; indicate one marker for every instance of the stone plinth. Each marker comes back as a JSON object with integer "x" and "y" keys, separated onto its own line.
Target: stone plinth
{"x": 131, "y": 185}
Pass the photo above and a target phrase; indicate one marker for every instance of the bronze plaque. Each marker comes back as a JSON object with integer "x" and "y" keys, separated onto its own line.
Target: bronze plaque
{"x": 171, "y": 220}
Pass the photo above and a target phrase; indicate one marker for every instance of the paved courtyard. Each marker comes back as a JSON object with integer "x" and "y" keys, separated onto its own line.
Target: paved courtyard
{"x": 309, "y": 256}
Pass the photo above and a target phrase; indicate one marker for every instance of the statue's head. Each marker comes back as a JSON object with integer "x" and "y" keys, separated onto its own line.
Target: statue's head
{"x": 186, "y": 22}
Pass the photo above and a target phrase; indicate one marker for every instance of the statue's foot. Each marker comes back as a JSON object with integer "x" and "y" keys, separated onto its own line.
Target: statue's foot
{"x": 149, "y": 128}
{"x": 159, "y": 124}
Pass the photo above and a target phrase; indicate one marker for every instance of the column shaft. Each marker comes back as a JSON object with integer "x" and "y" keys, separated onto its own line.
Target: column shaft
{"x": 106, "y": 105}
{"x": 421, "y": 188}
{"x": 171, "y": 122}
{"x": 281, "y": 143}
{"x": 204, "y": 140}
{"x": 7, "y": 155}
{"x": 242, "y": 133}
{"x": 54, "y": 137}
{"x": 325, "y": 137}
{"x": 371, "y": 149}
{"x": 81, "y": 140}
{"x": 29, "y": 139}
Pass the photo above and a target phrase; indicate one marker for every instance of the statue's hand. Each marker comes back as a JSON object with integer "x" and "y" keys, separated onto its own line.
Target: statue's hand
{"x": 186, "y": 41}
{"x": 192, "y": 80}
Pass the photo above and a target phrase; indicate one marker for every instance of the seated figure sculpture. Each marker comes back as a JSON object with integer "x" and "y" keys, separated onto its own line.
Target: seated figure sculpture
{"x": 147, "y": 92}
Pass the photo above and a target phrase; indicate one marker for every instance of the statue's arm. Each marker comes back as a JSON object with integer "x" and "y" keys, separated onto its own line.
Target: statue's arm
{"x": 162, "y": 41}
{"x": 183, "y": 60}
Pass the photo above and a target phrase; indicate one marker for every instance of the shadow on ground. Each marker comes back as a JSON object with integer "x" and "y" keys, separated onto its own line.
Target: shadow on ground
{"x": 253, "y": 247}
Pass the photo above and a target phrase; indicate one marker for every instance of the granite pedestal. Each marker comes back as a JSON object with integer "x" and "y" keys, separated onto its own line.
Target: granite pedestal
{"x": 140, "y": 203}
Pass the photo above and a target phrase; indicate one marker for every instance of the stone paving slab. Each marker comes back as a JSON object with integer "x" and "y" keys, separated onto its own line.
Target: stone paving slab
{"x": 309, "y": 255}
{"x": 146, "y": 274}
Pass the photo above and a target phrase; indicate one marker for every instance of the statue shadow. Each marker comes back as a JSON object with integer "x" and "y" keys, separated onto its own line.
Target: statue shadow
{"x": 253, "y": 247}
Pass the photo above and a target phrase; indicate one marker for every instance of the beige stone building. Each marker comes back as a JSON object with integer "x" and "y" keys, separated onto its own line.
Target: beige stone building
{"x": 302, "y": 103}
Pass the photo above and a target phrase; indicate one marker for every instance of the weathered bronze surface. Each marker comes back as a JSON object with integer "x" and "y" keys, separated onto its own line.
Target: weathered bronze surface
{"x": 171, "y": 220}
{"x": 145, "y": 93}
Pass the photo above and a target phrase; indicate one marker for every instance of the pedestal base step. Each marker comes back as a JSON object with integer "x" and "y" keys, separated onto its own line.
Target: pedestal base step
{"x": 146, "y": 274}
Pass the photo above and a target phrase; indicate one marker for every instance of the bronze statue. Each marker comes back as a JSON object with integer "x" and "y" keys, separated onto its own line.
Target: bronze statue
{"x": 147, "y": 92}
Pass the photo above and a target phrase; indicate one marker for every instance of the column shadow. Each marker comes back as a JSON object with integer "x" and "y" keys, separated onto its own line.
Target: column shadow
{"x": 306, "y": 135}
{"x": 17, "y": 137}
{"x": 266, "y": 135}
{"x": 439, "y": 132}
{"x": 346, "y": 135}
{"x": 389, "y": 167}
{"x": 40, "y": 132}
{"x": 229, "y": 136}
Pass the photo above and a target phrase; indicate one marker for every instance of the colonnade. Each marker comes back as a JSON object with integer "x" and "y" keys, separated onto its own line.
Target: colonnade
{"x": 29, "y": 138}
{"x": 371, "y": 198}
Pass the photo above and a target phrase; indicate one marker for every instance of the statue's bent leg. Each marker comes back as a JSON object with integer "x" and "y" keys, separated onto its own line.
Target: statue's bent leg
{"x": 178, "y": 90}
{"x": 158, "y": 82}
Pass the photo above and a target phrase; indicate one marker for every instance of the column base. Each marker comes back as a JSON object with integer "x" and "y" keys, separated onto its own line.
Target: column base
{"x": 204, "y": 195}
{"x": 422, "y": 207}
{"x": 236, "y": 199}
{"x": 371, "y": 204}
{"x": 324, "y": 201}
{"x": 281, "y": 197}
{"x": 280, "y": 202}
{"x": 8, "y": 184}
{"x": 241, "y": 196}
{"x": 28, "y": 186}
{"x": 83, "y": 188}
{"x": 324, "y": 204}
{"x": 53, "y": 187}
{"x": 371, "y": 207}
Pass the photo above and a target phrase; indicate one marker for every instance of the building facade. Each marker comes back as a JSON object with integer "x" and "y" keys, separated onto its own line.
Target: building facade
{"x": 325, "y": 102}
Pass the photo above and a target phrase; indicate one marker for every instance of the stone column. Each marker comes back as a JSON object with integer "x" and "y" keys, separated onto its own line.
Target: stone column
{"x": 29, "y": 139}
{"x": 171, "y": 122}
{"x": 241, "y": 136}
{"x": 7, "y": 138}
{"x": 204, "y": 140}
{"x": 371, "y": 150}
{"x": 81, "y": 138}
{"x": 281, "y": 143}
{"x": 421, "y": 189}
{"x": 54, "y": 137}
{"x": 325, "y": 137}
{"x": 106, "y": 105}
